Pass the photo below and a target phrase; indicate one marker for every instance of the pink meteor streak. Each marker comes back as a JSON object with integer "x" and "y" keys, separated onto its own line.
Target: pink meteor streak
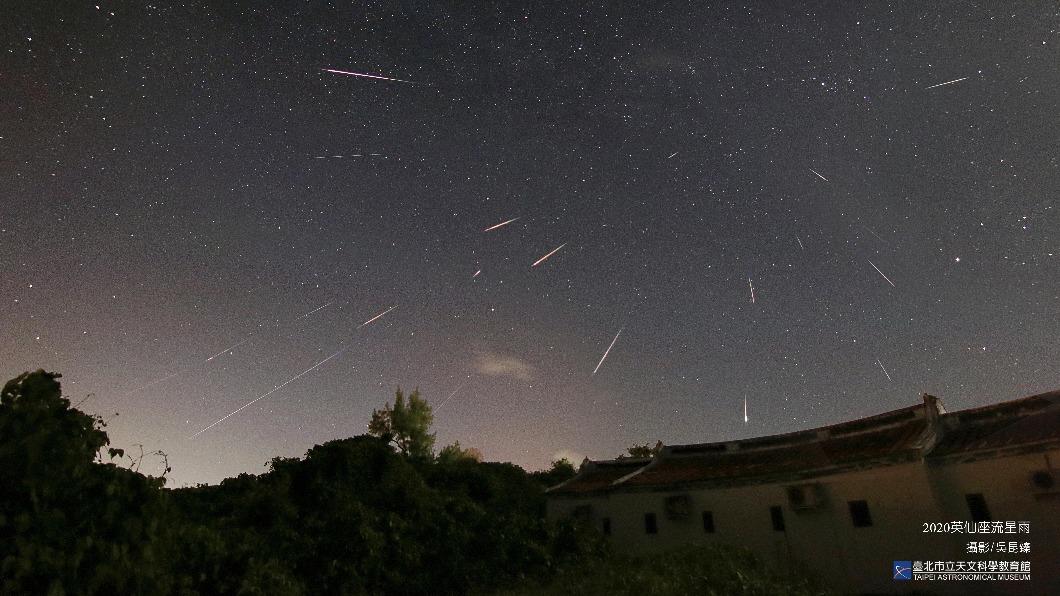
{"x": 554, "y": 251}
{"x": 503, "y": 223}
{"x": 377, "y": 316}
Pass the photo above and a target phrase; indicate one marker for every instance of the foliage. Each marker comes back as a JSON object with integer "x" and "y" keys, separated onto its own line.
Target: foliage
{"x": 642, "y": 451}
{"x": 364, "y": 515}
{"x": 68, "y": 524}
{"x": 708, "y": 570}
{"x": 453, "y": 453}
{"x": 561, "y": 471}
{"x": 406, "y": 425}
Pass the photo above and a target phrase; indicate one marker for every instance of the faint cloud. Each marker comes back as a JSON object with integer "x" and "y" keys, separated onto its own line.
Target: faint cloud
{"x": 500, "y": 365}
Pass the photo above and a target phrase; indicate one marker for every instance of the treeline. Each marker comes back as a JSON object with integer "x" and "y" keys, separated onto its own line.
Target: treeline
{"x": 374, "y": 514}
{"x": 354, "y": 516}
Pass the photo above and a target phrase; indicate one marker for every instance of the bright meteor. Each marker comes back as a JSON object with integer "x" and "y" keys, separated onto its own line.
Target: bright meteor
{"x": 608, "y": 351}
{"x": 503, "y": 223}
{"x": 377, "y": 316}
{"x": 263, "y": 396}
{"x": 554, "y": 251}
{"x": 882, "y": 273}
{"x": 946, "y": 83}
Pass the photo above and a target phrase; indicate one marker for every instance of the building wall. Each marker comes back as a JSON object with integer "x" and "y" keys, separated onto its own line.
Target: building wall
{"x": 900, "y": 498}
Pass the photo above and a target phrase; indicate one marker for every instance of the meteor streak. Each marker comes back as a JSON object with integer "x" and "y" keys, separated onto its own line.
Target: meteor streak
{"x": 503, "y": 223}
{"x": 368, "y": 76}
{"x": 752, "y": 290}
{"x": 608, "y": 351}
{"x": 263, "y": 396}
{"x": 800, "y": 242}
{"x": 554, "y": 251}
{"x": 227, "y": 350}
{"x": 476, "y": 274}
{"x": 881, "y": 273}
{"x": 671, "y": 156}
{"x": 745, "y": 410}
{"x": 316, "y": 309}
{"x": 946, "y": 83}
{"x": 818, "y": 175}
{"x": 377, "y": 316}
{"x": 446, "y": 400}
{"x": 884, "y": 370}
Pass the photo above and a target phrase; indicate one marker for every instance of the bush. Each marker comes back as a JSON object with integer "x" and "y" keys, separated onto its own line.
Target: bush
{"x": 706, "y": 570}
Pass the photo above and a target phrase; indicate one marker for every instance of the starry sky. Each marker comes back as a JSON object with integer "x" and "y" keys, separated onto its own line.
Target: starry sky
{"x": 823, "y": 208}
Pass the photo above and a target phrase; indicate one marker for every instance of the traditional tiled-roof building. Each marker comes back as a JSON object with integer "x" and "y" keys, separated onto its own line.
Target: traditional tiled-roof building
{"x": 851, "y": 499}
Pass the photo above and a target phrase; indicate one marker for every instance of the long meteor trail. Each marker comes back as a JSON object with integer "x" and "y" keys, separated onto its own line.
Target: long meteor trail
{"x": 881, "y": 273}
{"x": 608, "y": 351}
{"x": 946, "y": 83}
{"x": 502, "y": 224}
{"x": 263, "y": 396}
{"x": 818, "y": 175}
{"x": 377, "y": 316}
{"x": 367, "y": 76}
{"x": 554, "y": 251}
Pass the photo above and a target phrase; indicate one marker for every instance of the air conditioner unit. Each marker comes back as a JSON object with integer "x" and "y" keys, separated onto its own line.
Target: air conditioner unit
{"x": 1044, "y": 481}
{"x": 802, "y": 497}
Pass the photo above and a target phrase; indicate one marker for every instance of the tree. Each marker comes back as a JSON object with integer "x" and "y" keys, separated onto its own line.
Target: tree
{"x": 454, "y": 453}
{"x": 642, "y": 451}
{"x": 562, "y": 470}
{"x": 406, "y": 425}
{"x": 67, "y": 523}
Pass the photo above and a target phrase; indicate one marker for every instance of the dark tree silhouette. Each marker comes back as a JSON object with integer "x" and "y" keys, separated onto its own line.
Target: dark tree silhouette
{"x": 406, "y": 424}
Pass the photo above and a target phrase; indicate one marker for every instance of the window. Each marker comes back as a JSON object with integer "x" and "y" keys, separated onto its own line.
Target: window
{"x": 977, "y": 507}
{"x": 778, "y": 518}
{"x": 650, "y": 524}
{"x": 708, "y": 522}
{"x": 859, "y": 514}
{"x": 607, "y": 526}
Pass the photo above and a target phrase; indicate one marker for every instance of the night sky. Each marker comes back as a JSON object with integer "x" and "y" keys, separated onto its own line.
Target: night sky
{"x": 179, "y": 181}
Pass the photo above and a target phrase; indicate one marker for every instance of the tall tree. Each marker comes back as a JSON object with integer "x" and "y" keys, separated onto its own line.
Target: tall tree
{"x": 406, "y": 425}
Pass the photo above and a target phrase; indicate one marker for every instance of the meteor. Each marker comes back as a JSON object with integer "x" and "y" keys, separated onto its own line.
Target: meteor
{"x": 745, "y": 410}
{"x": 884, "y": 370}
{"x": 554, "y": 251}
{"x": 608, "y": 351}
{"x": 377, "y": 316}
{"x": 881, "y": 273}
{"x": 503, "y": 223}
{"x": 263, "y": 396}
{"x": 749, "y": 284}
{"x": 227, "y": 350}
{"x": 368, "y": 76}
{"x": 446, "y": 400}
{"x": 818, "y": 175}
{"x": 672, "y": 155}
{"x": 316, "y": 309}
{"x": 800, "y": 242}
{"x": 476, "y": 274}
{"x": 946, "y": 83}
